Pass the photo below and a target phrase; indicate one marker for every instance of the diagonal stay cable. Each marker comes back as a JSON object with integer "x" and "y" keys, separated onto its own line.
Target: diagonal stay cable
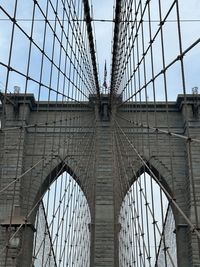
{"x": 48, "y": 232}
{"x": 163, "y": 231}
{"x": 38, "y": 124}
{"x": 158, "y": 130}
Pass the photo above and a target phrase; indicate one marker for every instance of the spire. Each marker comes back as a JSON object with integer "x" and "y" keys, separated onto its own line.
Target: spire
{"x": 105, "y": 77}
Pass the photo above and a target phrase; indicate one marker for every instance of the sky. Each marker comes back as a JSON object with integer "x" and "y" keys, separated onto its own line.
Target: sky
{"x": 104, "y": 32}
{"x": 189, "y": 10}
{"x": 101, "y": 9}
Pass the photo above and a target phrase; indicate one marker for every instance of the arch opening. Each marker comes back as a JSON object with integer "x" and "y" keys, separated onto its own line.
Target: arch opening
{"x": 62, "y": 237}
{"x": 147, "y": 236}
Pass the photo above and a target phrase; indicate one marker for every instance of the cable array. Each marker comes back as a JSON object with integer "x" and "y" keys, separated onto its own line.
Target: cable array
{"x": 138, "y": 67}
{"x": 146, "y": 58}
{"x": 142, "y": 216}
{"x": 66, "y": 227}
{"x": 49, "y": 137}
{"x": 48, "y": 66}
{"x": 55, "y": 59}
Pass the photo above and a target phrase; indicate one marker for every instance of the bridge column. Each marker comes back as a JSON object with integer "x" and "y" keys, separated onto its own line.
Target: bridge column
{"x": 104, "y": 243}
{"x": 191, "y": 117}
{"x": 104, "y": 202}
{"x": 13, "y": 142}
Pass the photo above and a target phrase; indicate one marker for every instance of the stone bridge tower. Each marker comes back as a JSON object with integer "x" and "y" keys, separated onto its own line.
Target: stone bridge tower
{"x": 23, "y": 149}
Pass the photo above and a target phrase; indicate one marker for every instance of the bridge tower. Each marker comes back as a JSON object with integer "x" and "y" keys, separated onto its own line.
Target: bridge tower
{"x": 113, "y": 146}
{"x": 103, "y": 179}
